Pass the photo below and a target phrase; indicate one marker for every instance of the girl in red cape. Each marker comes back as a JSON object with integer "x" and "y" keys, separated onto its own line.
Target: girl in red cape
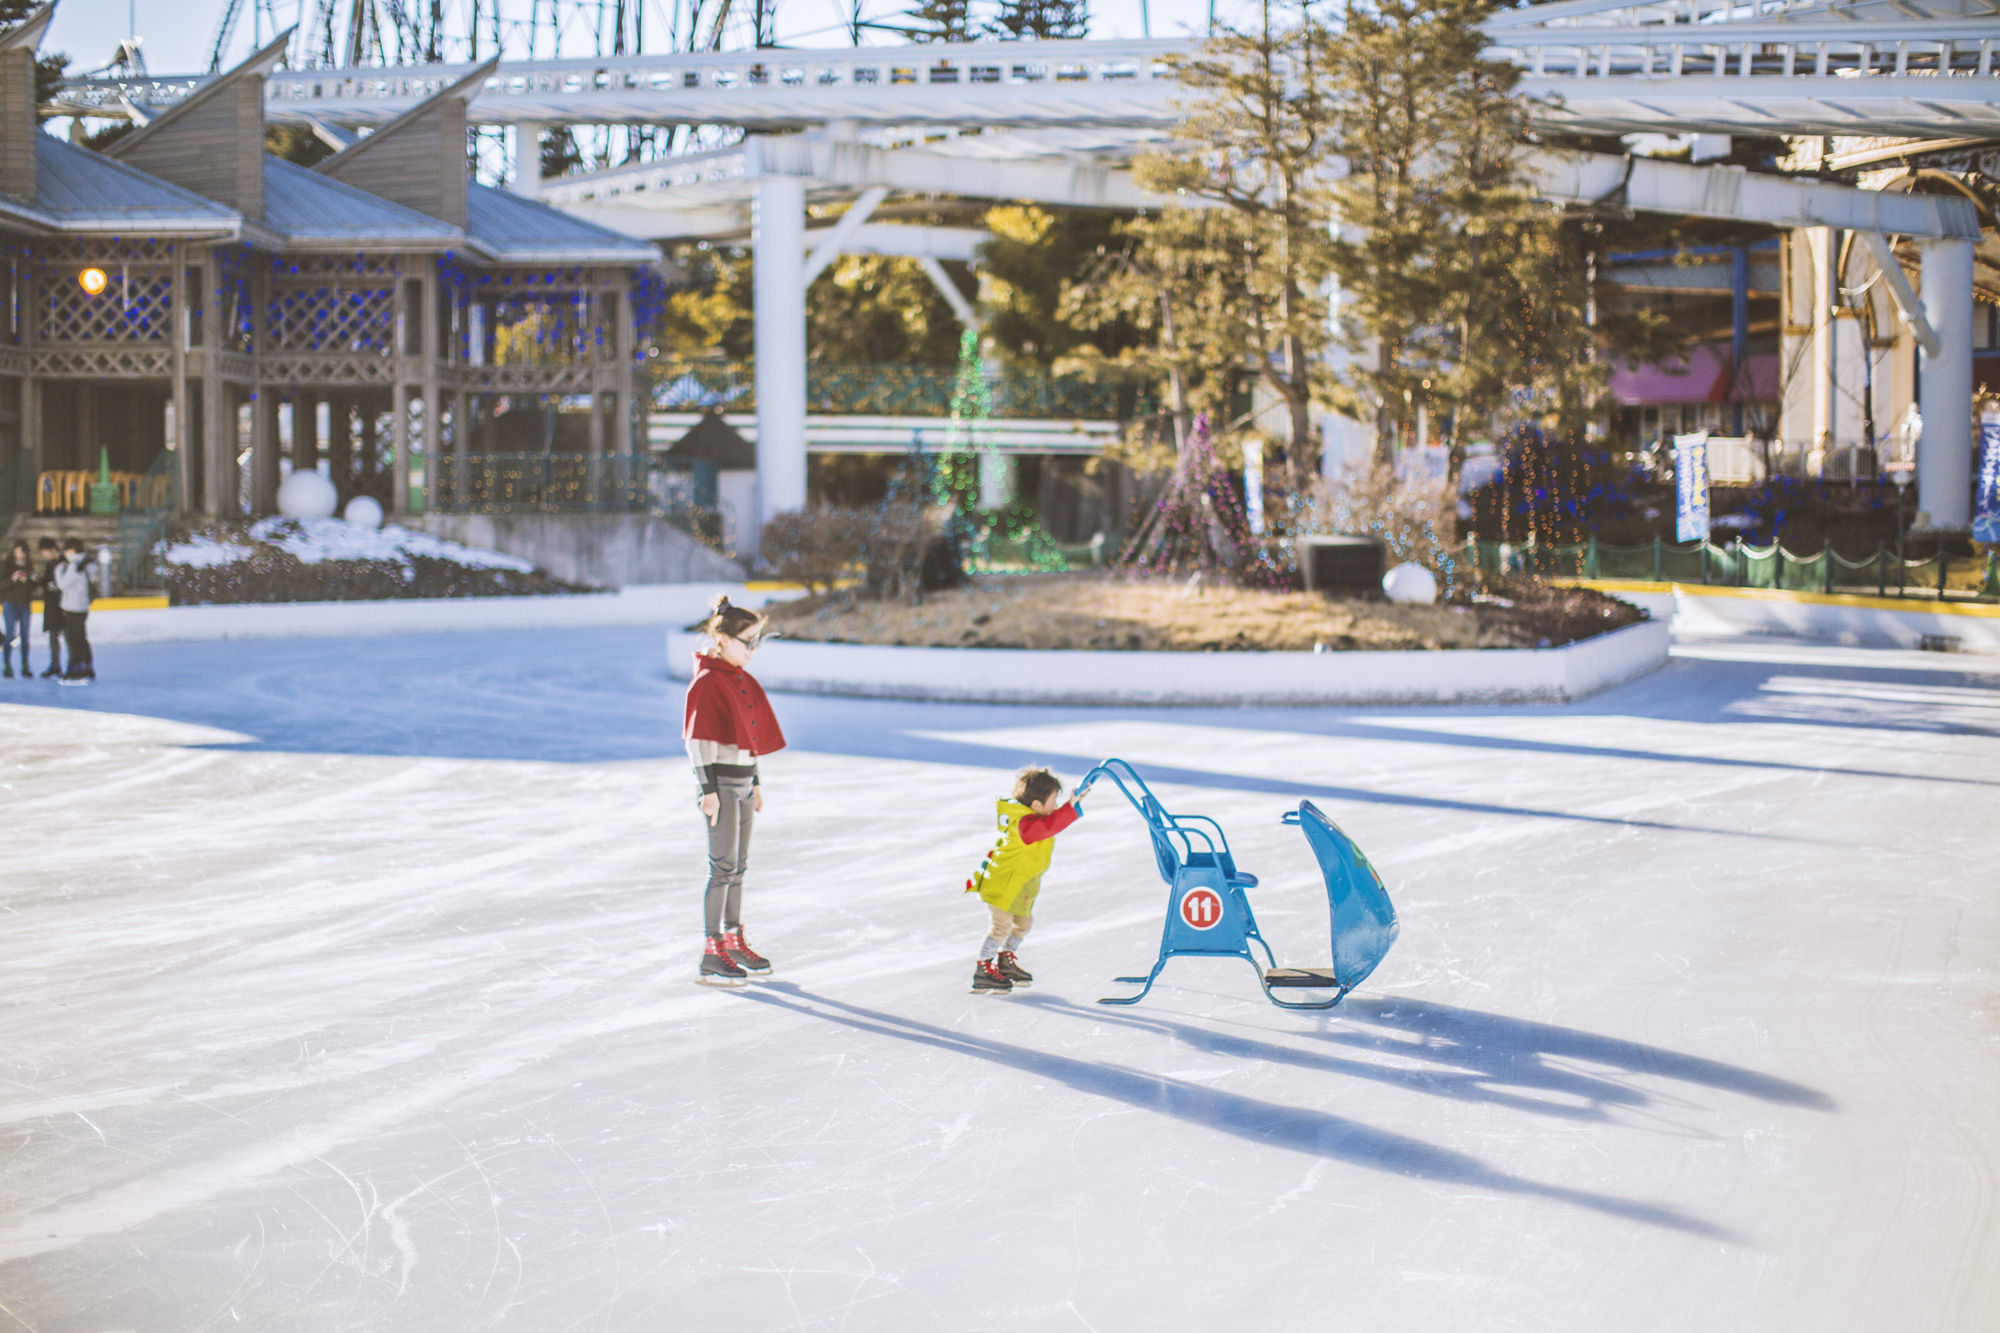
{"x": 728, "y": 724}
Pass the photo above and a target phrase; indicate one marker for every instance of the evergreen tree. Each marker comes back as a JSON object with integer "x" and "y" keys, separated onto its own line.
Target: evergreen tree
{"x": 1041, "y": 19}
{"x": 939, "y": 21}
{"x": 1256, "y": 139}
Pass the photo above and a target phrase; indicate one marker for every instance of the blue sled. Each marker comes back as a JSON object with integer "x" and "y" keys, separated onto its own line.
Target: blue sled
{"x": 1208, "y": 910}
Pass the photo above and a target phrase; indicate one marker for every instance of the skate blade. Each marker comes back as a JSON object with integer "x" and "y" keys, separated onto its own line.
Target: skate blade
{"x": 730, "y": 982}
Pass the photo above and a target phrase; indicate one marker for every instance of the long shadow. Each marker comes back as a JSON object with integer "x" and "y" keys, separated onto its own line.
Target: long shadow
{"x": 1470, "y": 1057}
{"x": 1251, "y": 1119}
{"x": 885, "y": 743}
{"x": 1519, "y": 745}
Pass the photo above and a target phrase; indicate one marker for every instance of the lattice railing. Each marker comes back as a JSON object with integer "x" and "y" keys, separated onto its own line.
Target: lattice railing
{"x": 113, "y": 362}
{"x": 325, "y": 369}
{"x": 327, "y": 319}
{"x": 525, "y": 378}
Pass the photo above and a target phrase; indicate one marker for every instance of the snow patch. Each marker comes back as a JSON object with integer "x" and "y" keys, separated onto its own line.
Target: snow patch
{"x": 205, "y": 553}
{"x": 313, "y": 540}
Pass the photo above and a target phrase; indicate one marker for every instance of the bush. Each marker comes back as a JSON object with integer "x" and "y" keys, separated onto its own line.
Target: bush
{"x": 817, "y": 546}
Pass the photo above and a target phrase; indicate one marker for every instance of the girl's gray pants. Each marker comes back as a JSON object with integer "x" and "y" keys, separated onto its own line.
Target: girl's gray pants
{"x": 728, "y": 855}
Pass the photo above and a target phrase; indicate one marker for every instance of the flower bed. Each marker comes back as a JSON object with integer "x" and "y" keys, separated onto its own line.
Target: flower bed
{"x": 1100, "y": 612}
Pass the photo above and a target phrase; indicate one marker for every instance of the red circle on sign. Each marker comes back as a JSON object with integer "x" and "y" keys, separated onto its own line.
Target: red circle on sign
{"x": 1201, "y": 909}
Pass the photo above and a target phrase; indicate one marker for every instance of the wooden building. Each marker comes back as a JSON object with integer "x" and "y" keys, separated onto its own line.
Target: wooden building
{"x": 186, "y": 290}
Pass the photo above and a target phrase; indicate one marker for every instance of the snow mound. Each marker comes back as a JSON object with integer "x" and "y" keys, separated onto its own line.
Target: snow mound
{"x": 204, "y": 552}
{"x": 312, "y": 540}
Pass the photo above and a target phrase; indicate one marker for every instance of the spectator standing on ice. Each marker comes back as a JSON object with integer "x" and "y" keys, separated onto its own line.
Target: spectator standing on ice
{"x": 73, "y": 582}
{"x": 1010, "y": 877}
{"x": 52, "y": 615}
{"x": 17, "y": 595}
{"x": 728, "y": 723}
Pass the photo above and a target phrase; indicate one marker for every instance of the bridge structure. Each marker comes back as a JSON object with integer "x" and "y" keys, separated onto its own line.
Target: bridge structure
{"x": 1058, "y": 122}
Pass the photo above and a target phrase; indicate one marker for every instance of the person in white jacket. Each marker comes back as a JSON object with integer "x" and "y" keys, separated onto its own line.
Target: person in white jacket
{"x": 73, "y": 579}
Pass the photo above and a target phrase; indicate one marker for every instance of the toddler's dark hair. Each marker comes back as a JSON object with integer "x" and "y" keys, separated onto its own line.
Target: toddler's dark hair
{"x": 1035, "y": 783}
{"x": 726, "y": 618}
{"x": 47, "y": 544}
{"x": 72, "y": 544}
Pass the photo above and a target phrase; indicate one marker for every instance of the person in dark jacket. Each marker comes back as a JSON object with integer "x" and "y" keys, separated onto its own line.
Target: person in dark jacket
{"x": 52, "y": 614}
{"x": 17, "y": 593}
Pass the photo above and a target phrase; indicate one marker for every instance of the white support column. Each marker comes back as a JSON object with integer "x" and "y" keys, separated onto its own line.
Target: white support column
{"x": 778, "y": 237}
{"x": 528, "y": 157}
{"x": 1944, "y": 453}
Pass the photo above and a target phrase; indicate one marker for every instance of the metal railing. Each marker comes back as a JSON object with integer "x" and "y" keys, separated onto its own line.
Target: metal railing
{"x": 1741, "y": 565}
{"x": 900, "y": 390}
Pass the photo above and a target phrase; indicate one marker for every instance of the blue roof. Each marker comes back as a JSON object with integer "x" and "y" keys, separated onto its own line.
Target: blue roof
{"x": 514, "y": 230}
{"x": 305, "y": 208}
{"x": 79, "y": 190}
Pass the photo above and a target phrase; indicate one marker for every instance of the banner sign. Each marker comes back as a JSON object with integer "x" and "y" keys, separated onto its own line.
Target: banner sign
{"x": 1986, "y": 501}
{"x": 1691, "y": 487}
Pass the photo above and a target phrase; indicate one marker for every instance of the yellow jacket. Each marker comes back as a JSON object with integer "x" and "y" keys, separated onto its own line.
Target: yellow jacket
{"x": 1011, "y": 875}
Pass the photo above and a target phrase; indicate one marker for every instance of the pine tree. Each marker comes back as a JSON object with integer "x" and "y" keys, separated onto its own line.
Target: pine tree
{"x": 1256, "y": 149}
{"x": 1041, "y": 19}
{"x": 939, "y": 21}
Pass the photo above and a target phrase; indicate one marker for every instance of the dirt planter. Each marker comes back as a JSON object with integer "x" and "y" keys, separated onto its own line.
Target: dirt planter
{"x": 1153, "y": 679}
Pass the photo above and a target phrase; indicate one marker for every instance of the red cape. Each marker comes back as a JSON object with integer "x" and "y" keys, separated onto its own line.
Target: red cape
{"x": 725, "y": 704}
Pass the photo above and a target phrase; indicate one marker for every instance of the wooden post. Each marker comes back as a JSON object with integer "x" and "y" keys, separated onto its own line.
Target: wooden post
{"x": 218, "y": 422}
{"x": 186, "y": 442}
{"x": 263, "y": 450}
{"x": 433, "y": 389}
{"x": 401, "y": 440}
{"x": 628, "y": 374}
{"x": 340, "y": 446}
{"x": 305, "y": 432}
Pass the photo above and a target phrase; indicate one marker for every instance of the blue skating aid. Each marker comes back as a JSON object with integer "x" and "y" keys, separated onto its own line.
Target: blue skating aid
{"x": 1208, "y": 908}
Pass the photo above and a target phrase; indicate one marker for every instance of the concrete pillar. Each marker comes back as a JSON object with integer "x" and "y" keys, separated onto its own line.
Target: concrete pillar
{"x": 778, "y": 235}
{"x": 527, "y": 159}
{"x": 1944, "y": 453}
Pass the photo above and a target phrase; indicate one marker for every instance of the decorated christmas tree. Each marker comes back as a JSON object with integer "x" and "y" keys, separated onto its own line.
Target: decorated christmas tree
{"x": 1197, "y": 528}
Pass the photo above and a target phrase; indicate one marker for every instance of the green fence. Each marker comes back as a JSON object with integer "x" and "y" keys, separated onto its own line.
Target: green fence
{"x": 895, "y": 390}
{"x": 1741, "y": 565}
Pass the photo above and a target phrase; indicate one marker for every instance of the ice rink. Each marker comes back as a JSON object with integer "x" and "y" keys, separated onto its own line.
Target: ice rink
{"x": 348, "y": 985}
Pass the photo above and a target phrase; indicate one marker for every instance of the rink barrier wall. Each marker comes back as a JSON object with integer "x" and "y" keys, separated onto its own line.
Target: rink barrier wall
{"x": 1011, "y": 675}
{"x": 662, "y": 604}
{"x": 1861, "y": 622}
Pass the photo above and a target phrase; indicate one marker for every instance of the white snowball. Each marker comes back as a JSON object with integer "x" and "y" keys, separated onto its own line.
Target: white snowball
{"x": 364, "y": 511}
{"x": 307, "y": 495}
{"x": 1410, "y": 583}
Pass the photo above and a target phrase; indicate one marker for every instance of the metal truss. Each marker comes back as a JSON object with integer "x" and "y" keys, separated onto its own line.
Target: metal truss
{"x": 1902, "y": 67}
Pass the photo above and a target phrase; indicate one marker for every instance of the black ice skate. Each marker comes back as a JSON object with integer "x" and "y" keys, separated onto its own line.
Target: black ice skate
{"x": 1010, "y": 968}
{"x": 740, "y": 953}
{"x": 988, "y": 979}
{"x": 716, "y": 967}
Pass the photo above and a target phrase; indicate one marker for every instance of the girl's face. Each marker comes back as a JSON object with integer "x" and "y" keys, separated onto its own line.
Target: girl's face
{"x": 733, "y": 650}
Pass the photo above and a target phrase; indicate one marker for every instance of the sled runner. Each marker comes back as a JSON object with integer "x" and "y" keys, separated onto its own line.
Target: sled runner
{"x": 1208, "y": 908}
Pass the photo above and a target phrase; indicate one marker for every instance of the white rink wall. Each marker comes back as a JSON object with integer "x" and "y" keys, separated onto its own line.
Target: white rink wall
{"x": 1006, "y": 675}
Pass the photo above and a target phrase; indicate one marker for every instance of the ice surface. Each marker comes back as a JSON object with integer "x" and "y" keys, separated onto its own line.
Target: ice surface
{"x": 347, "y": 985}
